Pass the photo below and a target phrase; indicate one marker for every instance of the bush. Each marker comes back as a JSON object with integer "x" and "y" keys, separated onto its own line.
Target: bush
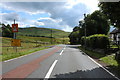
{"x": 100, "y": 41}
{"x": 74, "y": 37}
{"x": 117, "y": 57}
{"x": 82, "y": 40}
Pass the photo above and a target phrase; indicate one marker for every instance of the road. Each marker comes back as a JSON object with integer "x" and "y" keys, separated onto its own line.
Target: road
{"x": 61, "y": 61}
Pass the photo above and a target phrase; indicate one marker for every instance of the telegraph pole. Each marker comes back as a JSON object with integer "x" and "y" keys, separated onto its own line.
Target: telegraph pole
{"x": 51, "y": 36}
{"x": 63, "y": 40}
{"x": 85, "y": 30}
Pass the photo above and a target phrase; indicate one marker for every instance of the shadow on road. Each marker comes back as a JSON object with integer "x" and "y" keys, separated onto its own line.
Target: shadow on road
{"x": 96, "y": 73}
{"x": 114, "y": 69}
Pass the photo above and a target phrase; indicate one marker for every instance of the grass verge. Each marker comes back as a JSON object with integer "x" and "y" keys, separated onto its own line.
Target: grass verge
{"x": 18, "y": 54}
{"x": 109, "y": 60}
{"x": 113, "y": 66}
{"x": 92, "y": 54}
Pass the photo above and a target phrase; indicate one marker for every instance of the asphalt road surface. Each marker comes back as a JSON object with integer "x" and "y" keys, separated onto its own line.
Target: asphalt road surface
{"x": 61, "y": 61}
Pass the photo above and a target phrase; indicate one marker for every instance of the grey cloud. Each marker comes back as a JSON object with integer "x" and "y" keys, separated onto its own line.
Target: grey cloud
{"x": 57, "y": 10}
{"x": 10, "y": 16}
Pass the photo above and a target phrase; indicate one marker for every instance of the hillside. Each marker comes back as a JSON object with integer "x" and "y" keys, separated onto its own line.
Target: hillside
{"x": 34, "y": 31}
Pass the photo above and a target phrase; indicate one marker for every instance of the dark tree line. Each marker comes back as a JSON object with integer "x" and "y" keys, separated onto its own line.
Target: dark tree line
{"x": 112, "y": 11}
{"x": 98, "y": 22}
{"x": 7, "y": 31}
{"x": 95, "y": 23}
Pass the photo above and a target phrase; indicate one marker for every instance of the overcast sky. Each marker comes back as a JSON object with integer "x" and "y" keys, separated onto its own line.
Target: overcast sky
{"x": 58, "y": 15}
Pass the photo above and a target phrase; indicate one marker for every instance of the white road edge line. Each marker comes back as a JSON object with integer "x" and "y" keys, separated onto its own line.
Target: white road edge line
{"x": 103, "y": 67}
{"x": 51, "y": 69}
{"x": 17, "y": 57}
{"x": 61, "y": 52}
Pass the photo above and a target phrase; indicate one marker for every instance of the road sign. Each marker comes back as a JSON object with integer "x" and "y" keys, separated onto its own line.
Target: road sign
{"x": 16, "y": 42}
{"x": 14, "y": 27}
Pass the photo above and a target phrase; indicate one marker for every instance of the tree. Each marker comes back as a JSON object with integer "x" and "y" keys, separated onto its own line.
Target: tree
{"x": 74, "y": 35}
{"x": 7, "y": 31}
{"x": 96, "y": 23}
{"x": 112, "y": 11}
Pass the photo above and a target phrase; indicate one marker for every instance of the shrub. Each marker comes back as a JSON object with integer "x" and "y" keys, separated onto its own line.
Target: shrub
{"x": 82, "y": 40}
{"x": 96, "y": 41}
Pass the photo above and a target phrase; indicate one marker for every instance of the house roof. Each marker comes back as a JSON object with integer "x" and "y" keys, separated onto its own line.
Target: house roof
{"x": 115, "y": 31}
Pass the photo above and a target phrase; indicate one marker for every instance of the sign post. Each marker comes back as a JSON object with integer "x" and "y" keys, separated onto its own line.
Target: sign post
{"x": 15, "y": 42}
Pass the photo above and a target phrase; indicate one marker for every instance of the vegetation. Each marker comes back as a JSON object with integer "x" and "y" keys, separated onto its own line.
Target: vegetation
{"x": 42, "y": 32}
{"x": 93, "y": 54}
{"x": 99, "y": 41}
{"x": 95, "y": 23}
{"x": 32, "y": 39}
{"x": 112, "y": 11}
{"x": 111, "y": 64}
{"x": 28, "y": 45}
{"x": 74, "y": 36}
{"x": 6, "y": 31}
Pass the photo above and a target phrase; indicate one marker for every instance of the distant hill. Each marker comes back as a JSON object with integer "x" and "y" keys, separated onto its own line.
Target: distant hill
{"x": 42, "y": 32}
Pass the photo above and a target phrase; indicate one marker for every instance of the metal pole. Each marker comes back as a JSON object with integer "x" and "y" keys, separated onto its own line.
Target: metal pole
{"x": 15, "y": 36}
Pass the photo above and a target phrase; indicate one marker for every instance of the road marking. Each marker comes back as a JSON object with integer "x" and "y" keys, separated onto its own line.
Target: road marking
{"x": 26, "y": 69}
{"x": 17, "y": 57}
{"x": 61, "y": 52}
{"x": 64, "y": 47}
{"x": 103, "y": 67}
{"x": 51, "y": 69}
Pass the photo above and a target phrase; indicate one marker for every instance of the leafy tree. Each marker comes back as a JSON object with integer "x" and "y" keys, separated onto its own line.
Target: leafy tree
{"x": 96, "y": 23}
{"x": 7, "y": 31}
{"x": 74, "y": 35}
{"x": 112, "y": 11}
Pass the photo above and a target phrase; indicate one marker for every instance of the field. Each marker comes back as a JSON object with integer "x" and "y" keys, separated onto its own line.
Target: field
{"x": 28, "y": 45}
{"x": 46, "y": 32}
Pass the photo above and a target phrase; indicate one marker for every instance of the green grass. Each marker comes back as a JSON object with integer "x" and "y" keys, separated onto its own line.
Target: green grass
{"x": 109, "y": 60}
{"x": 114, "y": 46}
{"x": 17, "y": 54}
{"x": 28, "y": 45}
{"x": 113, "y": 66}
{"x": 34, "y": 31}
{"x": 92, "y": 53}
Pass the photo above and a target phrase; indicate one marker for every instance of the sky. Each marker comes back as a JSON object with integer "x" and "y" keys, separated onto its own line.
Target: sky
{"x": 59, "y": 15}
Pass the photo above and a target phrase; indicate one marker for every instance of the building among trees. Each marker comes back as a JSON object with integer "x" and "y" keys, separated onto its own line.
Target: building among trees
{"x": 115, "y": 36}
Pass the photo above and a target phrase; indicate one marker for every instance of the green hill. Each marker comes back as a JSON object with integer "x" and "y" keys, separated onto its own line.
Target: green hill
{"x": 42, "y": 32}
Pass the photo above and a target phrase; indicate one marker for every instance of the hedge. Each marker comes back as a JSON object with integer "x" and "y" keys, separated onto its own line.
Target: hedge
{"x": 100, "y": 41}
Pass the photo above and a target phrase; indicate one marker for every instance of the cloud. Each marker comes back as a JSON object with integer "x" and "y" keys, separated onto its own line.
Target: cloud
{"x": 39, "y": 23}
{"x": 67, "y": 28}
{"x": 9, "y": 16}
{"x": 65, "y": 14}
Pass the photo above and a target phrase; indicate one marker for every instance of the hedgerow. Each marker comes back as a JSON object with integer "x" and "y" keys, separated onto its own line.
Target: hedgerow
{"x": 100, "y": 41}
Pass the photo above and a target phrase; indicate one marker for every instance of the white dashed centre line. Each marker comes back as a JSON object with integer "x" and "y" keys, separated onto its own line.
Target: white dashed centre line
{"x": 61, "y": 52}
{"x": 51, "y": 69}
